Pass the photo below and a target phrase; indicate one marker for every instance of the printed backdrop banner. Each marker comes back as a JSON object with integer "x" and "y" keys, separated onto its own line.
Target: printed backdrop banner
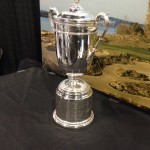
{"x": 121, "y": 64}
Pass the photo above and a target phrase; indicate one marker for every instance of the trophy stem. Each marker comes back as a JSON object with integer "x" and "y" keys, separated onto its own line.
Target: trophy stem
{"x": 74, "y": 76}
{"x": 73, "y": 79}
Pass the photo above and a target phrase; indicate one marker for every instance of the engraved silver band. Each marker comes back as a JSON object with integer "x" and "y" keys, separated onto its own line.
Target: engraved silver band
{"x": 73, "y": 125}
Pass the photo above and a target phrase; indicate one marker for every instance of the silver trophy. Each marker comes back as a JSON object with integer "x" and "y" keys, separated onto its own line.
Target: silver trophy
{"x": 76, "y": 41}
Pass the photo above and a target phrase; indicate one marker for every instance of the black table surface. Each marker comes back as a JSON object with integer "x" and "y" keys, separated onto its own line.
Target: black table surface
{"x": 27, "y": 102}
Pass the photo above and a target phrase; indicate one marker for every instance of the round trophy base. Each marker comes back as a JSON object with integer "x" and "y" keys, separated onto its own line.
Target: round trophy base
{"x": 73, "y": 125}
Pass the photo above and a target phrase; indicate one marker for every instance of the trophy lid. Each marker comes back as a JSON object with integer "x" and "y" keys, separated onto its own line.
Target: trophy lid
{"x": 76, "y": 14}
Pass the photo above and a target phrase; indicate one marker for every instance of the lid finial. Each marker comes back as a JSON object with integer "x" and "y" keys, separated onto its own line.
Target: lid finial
{"x": 75, "y": 6}
{"x": 76, "y": 1}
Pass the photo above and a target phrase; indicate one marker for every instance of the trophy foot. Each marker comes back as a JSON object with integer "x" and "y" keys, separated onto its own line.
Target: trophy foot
{"x": 73, "y": 125}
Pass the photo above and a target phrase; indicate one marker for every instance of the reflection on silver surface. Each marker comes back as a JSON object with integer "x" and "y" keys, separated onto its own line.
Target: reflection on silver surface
{"x": 76, "y": 42}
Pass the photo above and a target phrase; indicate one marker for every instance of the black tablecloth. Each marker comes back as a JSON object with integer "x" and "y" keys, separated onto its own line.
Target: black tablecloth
{"x": 27, "y": 101}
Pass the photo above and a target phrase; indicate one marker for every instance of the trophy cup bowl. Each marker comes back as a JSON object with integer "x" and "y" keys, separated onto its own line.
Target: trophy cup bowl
{"x": 76, "y": 41}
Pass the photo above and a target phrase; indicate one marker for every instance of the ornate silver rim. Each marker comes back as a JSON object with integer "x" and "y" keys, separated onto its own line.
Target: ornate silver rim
{"x": 73, "y": 125}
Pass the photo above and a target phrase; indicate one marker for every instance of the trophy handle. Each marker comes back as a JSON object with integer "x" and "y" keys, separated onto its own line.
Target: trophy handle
{"x": 106, "y": 24}
{"x": 106, "y": 21}
{"x": 52, "y": 14}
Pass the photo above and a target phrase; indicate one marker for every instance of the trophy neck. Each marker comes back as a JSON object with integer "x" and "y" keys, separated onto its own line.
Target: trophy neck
{"x": 73, "y": 79}
{"x": 74, "y": 76}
